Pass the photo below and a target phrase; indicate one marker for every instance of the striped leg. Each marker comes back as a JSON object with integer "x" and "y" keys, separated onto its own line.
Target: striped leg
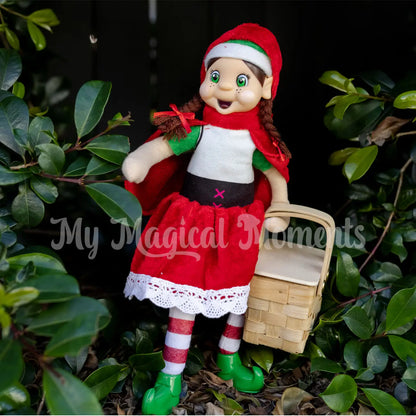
{"x": 231, "y": 338}
{"x": 177, "y": 341}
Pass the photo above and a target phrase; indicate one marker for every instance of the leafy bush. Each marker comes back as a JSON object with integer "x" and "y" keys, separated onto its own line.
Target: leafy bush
{"x": 47, "y": 325}
{"x": 366, "y": 332}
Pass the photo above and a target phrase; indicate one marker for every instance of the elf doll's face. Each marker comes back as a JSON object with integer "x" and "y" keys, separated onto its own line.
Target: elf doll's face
{"x": 230, "y": 86}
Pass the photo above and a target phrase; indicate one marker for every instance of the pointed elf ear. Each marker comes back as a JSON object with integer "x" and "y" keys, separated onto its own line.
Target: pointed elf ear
{"x": 267, "y": 88}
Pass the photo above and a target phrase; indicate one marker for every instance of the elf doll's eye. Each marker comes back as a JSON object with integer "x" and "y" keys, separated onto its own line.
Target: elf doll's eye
{"x": 242, "y": 80}
{"x": 215, "y": 77}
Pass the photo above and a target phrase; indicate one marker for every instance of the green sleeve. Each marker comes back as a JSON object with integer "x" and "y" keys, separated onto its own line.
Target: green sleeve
{"x": 260, "y": 162}
{"x": 187, "y": 143}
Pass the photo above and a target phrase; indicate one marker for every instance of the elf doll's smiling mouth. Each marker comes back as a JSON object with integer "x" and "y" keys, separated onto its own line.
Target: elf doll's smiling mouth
{"x": 224, "y": 104}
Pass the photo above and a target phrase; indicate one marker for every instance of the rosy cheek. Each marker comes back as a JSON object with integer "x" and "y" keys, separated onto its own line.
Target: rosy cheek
{"x": 246, "y": 97}
{"x": 205, "y": 90}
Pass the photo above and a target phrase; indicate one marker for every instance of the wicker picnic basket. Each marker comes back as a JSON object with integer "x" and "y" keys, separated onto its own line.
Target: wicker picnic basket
{"x": 286, "y": 290}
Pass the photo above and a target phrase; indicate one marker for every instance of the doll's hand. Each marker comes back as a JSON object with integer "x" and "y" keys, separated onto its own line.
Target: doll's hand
{"x": 135, "y": 168}
{"x": 276, "y": 224}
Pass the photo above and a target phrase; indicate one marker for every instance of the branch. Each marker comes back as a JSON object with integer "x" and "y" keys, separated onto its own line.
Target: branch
{"x": 390, "y": 219}
{"x": 371, "y": 293}
{"x": 79, "y": 181}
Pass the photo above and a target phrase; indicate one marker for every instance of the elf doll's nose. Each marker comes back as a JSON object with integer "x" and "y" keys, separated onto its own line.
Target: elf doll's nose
{"x": 226, "y": 85}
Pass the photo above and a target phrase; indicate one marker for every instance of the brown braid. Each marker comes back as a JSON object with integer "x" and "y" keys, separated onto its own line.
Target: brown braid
{"x": 266, "y": 118}
{"x": 171, "y": 126}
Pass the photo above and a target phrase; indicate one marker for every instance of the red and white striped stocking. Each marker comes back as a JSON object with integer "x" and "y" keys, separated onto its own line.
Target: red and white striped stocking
{"x": 231, "y": 337}
{"x": 177, "y": 341}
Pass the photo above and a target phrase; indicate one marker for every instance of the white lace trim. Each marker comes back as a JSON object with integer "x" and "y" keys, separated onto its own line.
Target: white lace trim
{"x": 189, "y": 299}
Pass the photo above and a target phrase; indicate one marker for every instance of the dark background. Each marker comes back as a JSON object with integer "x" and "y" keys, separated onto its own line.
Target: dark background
{"x": 153, "y": 62}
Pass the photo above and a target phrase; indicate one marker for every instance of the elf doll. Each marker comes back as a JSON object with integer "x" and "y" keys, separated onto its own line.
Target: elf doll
{"x": 200, "y": 181}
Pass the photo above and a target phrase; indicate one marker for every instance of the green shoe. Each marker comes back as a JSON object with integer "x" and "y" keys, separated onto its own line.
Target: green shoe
{"x": 244, "y": 379}
{"x": 160, "y": 399}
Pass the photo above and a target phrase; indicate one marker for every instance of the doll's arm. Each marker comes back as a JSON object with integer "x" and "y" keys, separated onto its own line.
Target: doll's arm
{"x": 279, "y": 194}
{"x": 137, "y": 164}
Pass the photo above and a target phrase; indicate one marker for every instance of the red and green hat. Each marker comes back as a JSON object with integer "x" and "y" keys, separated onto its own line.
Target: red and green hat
{"x": 252, "y": 43}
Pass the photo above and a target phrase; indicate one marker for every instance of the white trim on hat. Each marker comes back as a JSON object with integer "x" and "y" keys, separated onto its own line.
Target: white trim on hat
{"x": 239, "y": 51}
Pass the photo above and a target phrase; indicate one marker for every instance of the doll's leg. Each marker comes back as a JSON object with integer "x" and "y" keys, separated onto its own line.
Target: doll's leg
{"x": 164, "y": 395}
{"x": 244, "y": 379}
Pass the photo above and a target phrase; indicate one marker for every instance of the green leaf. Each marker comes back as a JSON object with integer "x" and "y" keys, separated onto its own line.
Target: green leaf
{"x": 360, "y": 192}
{"x": 44, "y": 18}
{"x": 51, "y": 158}
{"x": 377, "y": 359}
{"x": 358, "y": 322}
{"x": 19, "y": 90}
{"x": 13, "y": 398}
{"x": 152, "y": 361}
{"x": 10, "y": 177}
{"x": 194, "y": 362}
{"x": 383, "y": 402}
{"x": 89, "y": 105}
{"x": 10, "y": 68}
{"x": 377, "y": 78}
{"x": 44, "y": 189}
{"x": 48, "y": 322}
{"x": 409, "y": 377}
{"x": 387, "y": 272}
{"x": 5, "y": 322}
{"x": 78, "y": 166}
{"x": 406, "y": 100}
{"x": 341, "y": 393}
{"x": 14, "y": 115}
{"x": 403, "y": 348}
{"x": 44, "y": 263}
{"x": 359, "y": 162}
{"x": 27, "y": 208}
{"x": 401, "y": 309}
{"x": 97, "y": 166}
{"x": 140, "y": 383}
{"x": 117, "y": 202}
{"x": 262, "y": 356}
{"x": 36, "y": 35}
{"x": 103, "y": 380}
{"x": 12, "y": 38}
{"x": 340, "y": 156}
{"x": 11, "y": 362}
{"x": 407, "y": 198}
{"x": 67, "y": 395}
{"x": 142, "y": 342}
{"x": 347, "y": 275}
{"x": 364, "y": 374}
{"x": 112, "y": 148}
{"x": 335, "y": 80}
{"x": 324, "y": 364}
{"x": 354, "y": 354}
{"x": 20, "y": 296}
{"x": 53, "y": 287}
{"x": 344, "y": 102}
{"x": 39, "y": 131}
{"x": 393, "y": 243}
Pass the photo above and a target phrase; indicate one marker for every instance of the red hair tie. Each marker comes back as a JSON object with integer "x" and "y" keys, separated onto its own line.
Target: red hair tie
{"x": 183, "y": 117}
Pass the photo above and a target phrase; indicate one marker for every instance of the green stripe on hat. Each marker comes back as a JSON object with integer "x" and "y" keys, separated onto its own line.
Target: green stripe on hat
{"x": 247, "y": 43}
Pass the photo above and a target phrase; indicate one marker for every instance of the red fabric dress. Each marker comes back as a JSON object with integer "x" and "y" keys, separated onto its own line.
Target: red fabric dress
{"x": 197, "y": 257}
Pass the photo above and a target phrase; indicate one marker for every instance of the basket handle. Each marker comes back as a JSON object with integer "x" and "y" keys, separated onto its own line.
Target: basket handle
{"x": 311, "y": 214}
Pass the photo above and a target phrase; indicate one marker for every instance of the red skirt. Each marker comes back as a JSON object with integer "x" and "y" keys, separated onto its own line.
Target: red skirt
{"x": 198, "y": 258}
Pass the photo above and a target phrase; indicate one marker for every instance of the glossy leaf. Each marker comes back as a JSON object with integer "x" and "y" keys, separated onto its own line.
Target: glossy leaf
{"x": 393, "y": 243}
{"x": 44, "y": 263}
{"x": 354, "y": 354}
{"x": 359, "y": 162}
{"x": 344, "y": 102}
{"x": 12, "y": 38}
{"x": 103, "y": 380}
{"x": 117, "y": 202}
{"x": 53, "y": 287}
{"x": 45, "y": 18}
{"x": 19, "y": 90}
{"x": 341, "y": 393}
{"x": 140, "y": 383}
{"x": 44, "y": 189}
{"x": 194, "y": 362}
{"x": 262, "y": 356}
{"x": 97, "y": 166}
{"x": 409, "y": 377}
{"x": 10, "y": 177}
{"x": 67, "y": 395}
{"x": 48, "y": 322}
{"x": 377, "y": 78}
{"x": 364, "y": 374}
{"x": 401, "y": 309}
{"x": 51, "y": 158}
{"x": 13, "y": 398}
{"x": 377, "y": 359}
{"x": 20, "y": 296}
{"x": 78, "y": 166}
{"x": 324, "y": 364}
{"x": 89, "y": 105}
{"x": 347, "y": 275}
{"x": 14, "y": 115}
{"x": 152, "y": 361}
{"x": 406, "y": 100}
{"x": 112, "y": 148}
{"x": 387, "y": 272}
{"x": 340, "y": 156}
{"x": 358, "y": 322}
{"x": 40, "y": 129}
{"x": 403, "y": 348}
{"x": 11, "y": 362}
{"x": 36, "y": 35}
{"x": 384, "y": 403}
{"x": 27, "y": 208}
{"x": 335, "y": 80}
{"x": 10, "y": 68}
